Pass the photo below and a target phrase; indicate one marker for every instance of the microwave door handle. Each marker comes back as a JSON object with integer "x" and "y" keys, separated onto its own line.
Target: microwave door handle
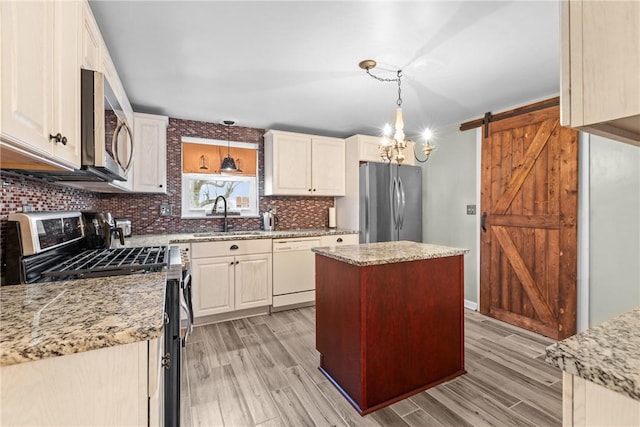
{"x": 114, "y": 146}
{"x": 132, "y": 148}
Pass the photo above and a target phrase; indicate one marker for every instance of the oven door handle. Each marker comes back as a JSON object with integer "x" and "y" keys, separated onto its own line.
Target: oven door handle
{"x": 186, "y": 282}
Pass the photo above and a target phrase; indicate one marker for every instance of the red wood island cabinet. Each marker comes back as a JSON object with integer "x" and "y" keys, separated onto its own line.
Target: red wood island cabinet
{"x": 389, "y": 325}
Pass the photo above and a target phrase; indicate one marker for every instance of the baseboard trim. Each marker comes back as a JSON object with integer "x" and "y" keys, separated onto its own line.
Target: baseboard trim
{"x": 471, "y": 305}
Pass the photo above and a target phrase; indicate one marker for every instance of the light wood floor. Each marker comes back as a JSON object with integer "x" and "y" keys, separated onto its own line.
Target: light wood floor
{"x": 262, "y": 371}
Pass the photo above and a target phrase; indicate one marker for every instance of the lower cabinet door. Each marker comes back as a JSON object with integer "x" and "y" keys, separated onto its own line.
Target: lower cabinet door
{"x": 253, "y": 281}
{"x": 213, "y": 285}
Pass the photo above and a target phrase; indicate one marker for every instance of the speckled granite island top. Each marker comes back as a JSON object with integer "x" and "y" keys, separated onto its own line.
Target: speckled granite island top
{"x": 607, "y": 354}
{"x": 165, "y": 239}
{"x": 387, "y": 252}
{"x": 54, "y": 319}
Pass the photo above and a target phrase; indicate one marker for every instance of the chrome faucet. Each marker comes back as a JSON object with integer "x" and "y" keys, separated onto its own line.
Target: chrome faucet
{"x": 225, "y": 225}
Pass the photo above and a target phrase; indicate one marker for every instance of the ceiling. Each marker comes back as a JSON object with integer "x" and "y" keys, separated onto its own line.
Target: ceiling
{"x": 293, "y": 65}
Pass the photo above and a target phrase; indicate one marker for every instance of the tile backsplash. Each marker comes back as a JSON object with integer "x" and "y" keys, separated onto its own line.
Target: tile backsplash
{"x": 142, "y": 209}
{"x": 17, "y": 191}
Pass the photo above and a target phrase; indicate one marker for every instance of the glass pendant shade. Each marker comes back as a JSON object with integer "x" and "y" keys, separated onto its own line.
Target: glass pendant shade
{"x": 228, "y": 164}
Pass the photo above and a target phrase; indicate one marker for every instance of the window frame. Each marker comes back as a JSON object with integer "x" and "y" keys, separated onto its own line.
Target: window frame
{"x": 187, "y": 211}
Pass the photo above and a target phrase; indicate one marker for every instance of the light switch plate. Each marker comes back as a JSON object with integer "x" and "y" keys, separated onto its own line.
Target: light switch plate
{"x": 471, "y": 209}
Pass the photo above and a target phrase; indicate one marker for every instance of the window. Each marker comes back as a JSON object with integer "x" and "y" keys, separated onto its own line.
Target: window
{"x": 202, "y": 181}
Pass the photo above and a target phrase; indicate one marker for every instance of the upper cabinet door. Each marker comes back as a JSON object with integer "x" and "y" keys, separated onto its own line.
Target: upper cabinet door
{"x": 66, "y": 83}
{"x": 27, "y": 73}
{"x": 91, "y": 41}
{"x": 287, "y": 164}
{"x": 327, "y": 166}
{"x": 41, "y": 79}
{"x": 150, "y": 164}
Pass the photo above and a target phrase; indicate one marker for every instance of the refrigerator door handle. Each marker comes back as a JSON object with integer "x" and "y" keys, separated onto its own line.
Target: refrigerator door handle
{"x": 402, "y": 203}
{"x": 393, "y": 200}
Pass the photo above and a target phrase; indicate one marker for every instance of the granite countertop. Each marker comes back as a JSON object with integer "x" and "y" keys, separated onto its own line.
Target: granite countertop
{"x": 607, "y": 354}
{"x": 166, "y": 239}
{"x": 58, "y": 318}
{"x": 387, "y": 252}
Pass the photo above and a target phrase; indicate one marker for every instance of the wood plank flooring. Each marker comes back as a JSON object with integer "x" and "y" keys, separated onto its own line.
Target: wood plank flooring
{"x": 263, "y": 371}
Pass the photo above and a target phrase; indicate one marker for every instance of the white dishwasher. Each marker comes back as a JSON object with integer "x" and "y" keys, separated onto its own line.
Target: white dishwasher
{"x": 294, "y": 271}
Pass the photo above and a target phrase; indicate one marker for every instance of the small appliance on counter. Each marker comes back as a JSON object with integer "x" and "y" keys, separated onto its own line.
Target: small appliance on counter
{"x": 269, "y": 219}
{"x": 100, "y": 229}
{"x": 125, "y": 225}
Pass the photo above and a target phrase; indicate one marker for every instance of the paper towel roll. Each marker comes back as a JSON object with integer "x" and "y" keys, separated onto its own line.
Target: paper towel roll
{"x": 332, "y": 217}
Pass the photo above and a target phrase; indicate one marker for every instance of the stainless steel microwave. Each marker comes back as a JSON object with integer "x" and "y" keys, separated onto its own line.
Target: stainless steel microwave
{"x": 107, "y": 142}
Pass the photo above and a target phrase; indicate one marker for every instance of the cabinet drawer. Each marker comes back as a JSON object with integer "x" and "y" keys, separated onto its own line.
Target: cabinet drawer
{"x": 230, "y": 247}
{"x": 340, "y": 240}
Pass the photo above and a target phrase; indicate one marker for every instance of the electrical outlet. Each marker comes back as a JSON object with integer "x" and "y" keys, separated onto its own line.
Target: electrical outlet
{"x": 166, "y": 210}
{"x": 471, "y": 209}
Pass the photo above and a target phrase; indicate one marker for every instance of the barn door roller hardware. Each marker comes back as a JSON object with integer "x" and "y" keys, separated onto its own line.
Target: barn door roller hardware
{"x": 488, "y": 117}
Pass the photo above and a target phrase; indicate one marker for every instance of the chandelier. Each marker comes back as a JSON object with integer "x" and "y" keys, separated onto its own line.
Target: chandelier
{"x": 394, "y": 142}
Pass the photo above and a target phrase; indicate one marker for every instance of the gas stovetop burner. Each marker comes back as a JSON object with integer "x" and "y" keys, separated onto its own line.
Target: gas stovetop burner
{"x": 109, "y": 262}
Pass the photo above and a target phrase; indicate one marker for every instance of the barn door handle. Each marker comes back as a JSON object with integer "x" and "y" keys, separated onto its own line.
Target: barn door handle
{"x": 483, "y": 222}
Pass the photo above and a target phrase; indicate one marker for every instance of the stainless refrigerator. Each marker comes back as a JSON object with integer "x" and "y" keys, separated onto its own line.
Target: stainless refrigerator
{"x": 390, "y": 202}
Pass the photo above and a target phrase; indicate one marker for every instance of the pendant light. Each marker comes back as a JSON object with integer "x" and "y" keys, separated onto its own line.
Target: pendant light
{"x": 228, "y": 164}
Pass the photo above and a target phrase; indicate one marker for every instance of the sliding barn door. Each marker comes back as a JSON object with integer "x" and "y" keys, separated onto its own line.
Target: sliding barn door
{"x": 529, "y": 202}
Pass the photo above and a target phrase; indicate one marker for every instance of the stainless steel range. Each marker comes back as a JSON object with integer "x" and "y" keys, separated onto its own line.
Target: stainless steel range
{"x": 52, "y": 246}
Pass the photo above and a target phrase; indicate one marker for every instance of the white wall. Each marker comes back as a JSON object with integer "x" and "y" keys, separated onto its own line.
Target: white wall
{"x": 614, "y": 228}
{"x": 449, "y": 185}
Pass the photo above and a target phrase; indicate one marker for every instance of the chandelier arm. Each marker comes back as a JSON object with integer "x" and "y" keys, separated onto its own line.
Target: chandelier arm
{"x": 416, "y": 155}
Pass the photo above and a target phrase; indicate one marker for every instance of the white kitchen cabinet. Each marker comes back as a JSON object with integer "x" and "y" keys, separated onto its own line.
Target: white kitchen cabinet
{"x": 109, "y": 387}
{"x": 40, "y": 83}
{"x": 303, "y": 165}
{"x": 253, "y": 281}
{"x": 91, "y": 41}
{"x": 230, "y": 275}
{"x": 585, "y": 403}
{"x": 150, "y": 161}
{"x": 213, "y": 285}
{"x": 600, "y": 76}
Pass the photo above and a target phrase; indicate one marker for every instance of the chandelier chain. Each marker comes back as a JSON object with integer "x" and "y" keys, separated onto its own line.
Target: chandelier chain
{"x": 399, "y": 102}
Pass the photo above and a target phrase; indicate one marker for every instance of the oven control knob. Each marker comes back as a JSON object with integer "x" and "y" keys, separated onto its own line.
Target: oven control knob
{"x": 166, "y": 361}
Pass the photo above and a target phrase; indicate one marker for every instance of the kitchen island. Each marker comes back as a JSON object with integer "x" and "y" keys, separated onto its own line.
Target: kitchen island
{"x": 389, "y": 319}
{"x": 601, "y": 378}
